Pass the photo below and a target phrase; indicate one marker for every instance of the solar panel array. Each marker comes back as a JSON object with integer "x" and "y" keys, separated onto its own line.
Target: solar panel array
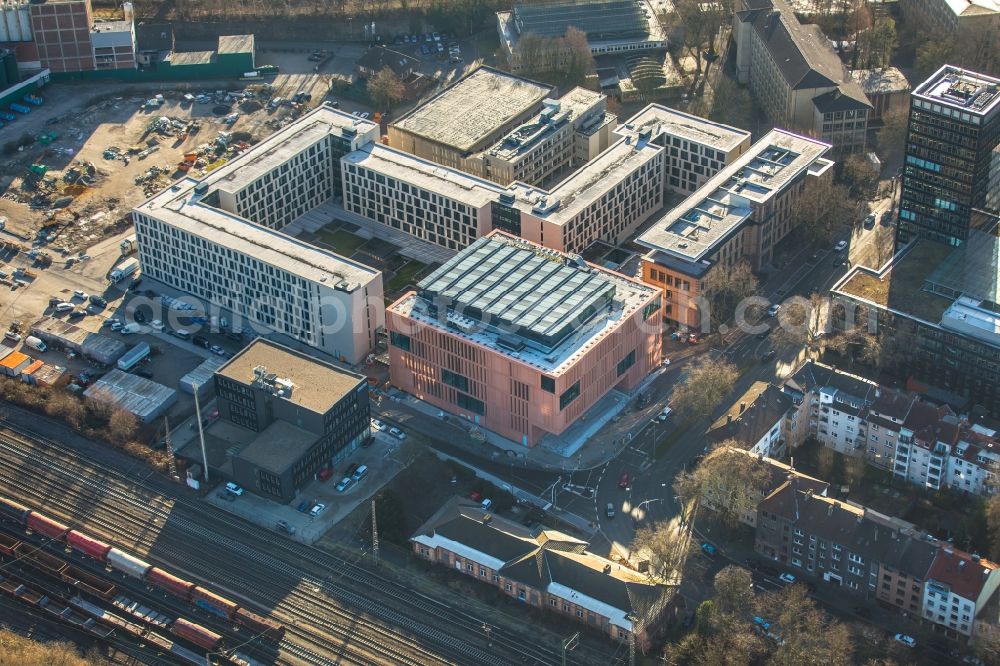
{"x": 535, "y": 296}
{"x": 601, "y": 19}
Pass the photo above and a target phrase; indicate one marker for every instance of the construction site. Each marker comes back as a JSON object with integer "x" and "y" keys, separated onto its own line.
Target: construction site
{"x": 76, "y": 170}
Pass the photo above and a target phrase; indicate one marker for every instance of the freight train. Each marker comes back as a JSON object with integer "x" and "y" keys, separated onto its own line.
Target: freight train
{"x": 128, "y": 565}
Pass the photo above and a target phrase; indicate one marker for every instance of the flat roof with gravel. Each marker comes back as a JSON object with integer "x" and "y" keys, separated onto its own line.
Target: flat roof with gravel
{"x": 318, "y": 385}
{"x": 662, "y": 119}
{"x": 467, "y": 112}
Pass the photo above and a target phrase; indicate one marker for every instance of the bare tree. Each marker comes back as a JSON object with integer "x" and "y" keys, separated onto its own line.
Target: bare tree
{"x": 577, "y": 58}
{"x": 861, "y": 176}
{"x": 666, "y": 546}
{"x": 993, "y": 525}
{"x": 734, "y": 591}
{"x": 807, "y": 637}
{"x": 386, "y": 89}
{"x": 707, "y": 383}
{"x": 892, "y": 135}
{"x": 122, "y": 426}
{"x": 728, "y": 480}
{"x": 534, "y": 53}
{"x": 823, "y": 208}
{"x": 700, "y": 23}
{"x": 723, "y": 289}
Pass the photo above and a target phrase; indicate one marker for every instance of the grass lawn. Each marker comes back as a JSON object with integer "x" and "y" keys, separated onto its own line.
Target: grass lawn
{"x": 342, "y": 242}
{"x": 404, "y": 276}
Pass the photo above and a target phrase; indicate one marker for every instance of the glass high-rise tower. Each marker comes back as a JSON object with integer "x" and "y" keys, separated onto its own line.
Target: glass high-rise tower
{"x": 951, "y": 164}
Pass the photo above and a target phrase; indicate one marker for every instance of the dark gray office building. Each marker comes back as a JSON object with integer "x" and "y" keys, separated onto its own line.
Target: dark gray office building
{"x": 299, "y": 413}
{"x": 950, "y": 165}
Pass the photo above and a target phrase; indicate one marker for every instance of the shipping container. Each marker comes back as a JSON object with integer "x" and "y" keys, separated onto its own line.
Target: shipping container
{"x": 46, "y": 526}
{"x": 13, "y": 510}
{"x": 259, "y": 625}
{"x": 213, "y": 603}
{"x": 195, "y": 633}
{"x": 130, "y": 565}
{"x": 39, "y": 559}
{"x": 87, "y": 582}
{"x": 8, "y": 543}
{"x": 88, "y": 546}
{"x": 169, "y": 583}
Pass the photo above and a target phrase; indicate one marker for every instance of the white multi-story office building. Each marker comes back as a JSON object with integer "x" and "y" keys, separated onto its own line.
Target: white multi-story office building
{"x": 193, "y": 237}
{"x": 696, "y": 148}
{"x": 434, "y": 203}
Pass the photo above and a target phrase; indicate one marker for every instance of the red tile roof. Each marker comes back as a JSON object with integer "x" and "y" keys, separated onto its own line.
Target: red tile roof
{"x": 959, "y": 571}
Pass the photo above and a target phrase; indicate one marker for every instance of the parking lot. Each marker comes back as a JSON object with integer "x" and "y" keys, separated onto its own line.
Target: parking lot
{"x": 383, "y": 460}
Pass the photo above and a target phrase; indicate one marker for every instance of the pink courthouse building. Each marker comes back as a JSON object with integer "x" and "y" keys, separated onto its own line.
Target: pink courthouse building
{"x": 522, "y": 339}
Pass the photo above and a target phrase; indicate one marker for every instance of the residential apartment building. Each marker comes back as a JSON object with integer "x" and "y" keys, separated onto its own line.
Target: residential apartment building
{"x": 190, "y": 238}
{"x": 436, "y": 204}
{"x": 958, "y": 586}
{"x": 290, "y": 415}
{"x": 953, "y": 130}
{"x": 695, "y": 148}
{"x": 520, "y": 339}
{"x": 468, "y": 116}
{"x": 757, "y": 422}
{"x": 568, "y": 131}
{"x": 796, "y": 76}
{"x": 903, "y": 572}
{"x": 544, "y": 569}
{"x": 738, "y": 215}
{"x": 610, "y": 26}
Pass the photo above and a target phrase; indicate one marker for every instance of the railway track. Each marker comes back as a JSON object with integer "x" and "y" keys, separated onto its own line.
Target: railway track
{"x": 44, "y": 492}
{"x": 301, "y": 595}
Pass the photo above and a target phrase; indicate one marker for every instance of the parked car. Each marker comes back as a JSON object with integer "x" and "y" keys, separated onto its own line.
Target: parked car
{"x": 217, "y": 350}
{"x": 609, "y": 510}
{"x": 201, "y": 341}
{"x": 487, "y": 504}
{"x": 303, "y": 506}
{"x": 475, "y": 496}
{"x": 234, "y": 489}
{"x": 623, "y": 481}
{"x": 908, "y": 641}
{"x": 840, "y": 246}
{"x": 325, "y": 473}
{"x": 318, "y": 509}
{"x": 81, "y": 295}
{"x": 709, "y": 549}
{"x": 786, "y": 578}
{"x": 397, "y": 433}
{"x": 284, "y": 526}
{"x": 767, "y": 356}
{"x": 99, "y": 301}
{"x": 664, "y": 415}
{"x": 378, "y": 425}
{"x": 773, "y": 310}
{"x": 157, "y": 325}
{"x": 344, "y": 484}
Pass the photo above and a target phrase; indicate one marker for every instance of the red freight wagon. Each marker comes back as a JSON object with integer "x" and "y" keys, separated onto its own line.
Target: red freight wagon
{"x": 195, "y": 633}
{"x": 213, "y": 603}
{"x": 259, "y": 625}
{"x": 8, "y": 544}
{"x": 87, "y": 582}
{"x": 46, "y": 526}
{"x": 83, "y": 543}
{"x": 39, "y": 559}
{"x": 169, "y": 583}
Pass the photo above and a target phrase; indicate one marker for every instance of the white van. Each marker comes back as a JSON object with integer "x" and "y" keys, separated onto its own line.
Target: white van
{"x": 360, "y": 473}
{"x": 64, "y": 307}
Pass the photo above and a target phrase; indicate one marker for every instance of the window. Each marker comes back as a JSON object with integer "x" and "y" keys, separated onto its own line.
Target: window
{"x": 468, "y": 402}
{"x": 454, "y": 379}
{"x": 548, "y": 384}
{"x": 399, "y": 340}
{"x": 651, "y": 309}
{"x": 626, "y": 363}
{"x": 482, "y": 572}
{"x": 569, "y": 395}
{"x": 507, "y": 587}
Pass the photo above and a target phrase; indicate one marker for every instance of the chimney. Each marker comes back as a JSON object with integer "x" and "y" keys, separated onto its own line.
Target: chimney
{"x": 961, "y": 564}
{"x": 729, "y": 419}
{"x": 607, "y": 568}
{"x": 743, "y": 407}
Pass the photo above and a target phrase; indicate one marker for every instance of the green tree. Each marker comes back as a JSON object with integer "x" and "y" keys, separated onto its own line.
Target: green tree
{"x": 707, "y": 383}
{"x": 386, "y": 89}
{"x": 728, "y": 480}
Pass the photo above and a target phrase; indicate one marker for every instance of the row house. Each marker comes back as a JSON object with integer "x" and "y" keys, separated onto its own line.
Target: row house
{"x": 874, "y": 556}
{"x": 545, "y": 569}
{"x": 758, "y": 421}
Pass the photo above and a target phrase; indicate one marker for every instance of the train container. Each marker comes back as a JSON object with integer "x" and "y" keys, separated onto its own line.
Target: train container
{"x": 45, "y": 525}
{"x": 169, "y": 583}
{"x": 39, "y": 559}
{"x": 87, "y": 582}
{"x": 130, "y": 565}
{"x": 8, "y": 543}
{"x": 12, "y": 588}
{"x": 259, "y": 625}
{"x": 13, "y": 510}
{"x": 213, "y": 603}
{"x": 33, "y": 597}
{"x": 88, "y": 546}
{"x": 195, "y": 633}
